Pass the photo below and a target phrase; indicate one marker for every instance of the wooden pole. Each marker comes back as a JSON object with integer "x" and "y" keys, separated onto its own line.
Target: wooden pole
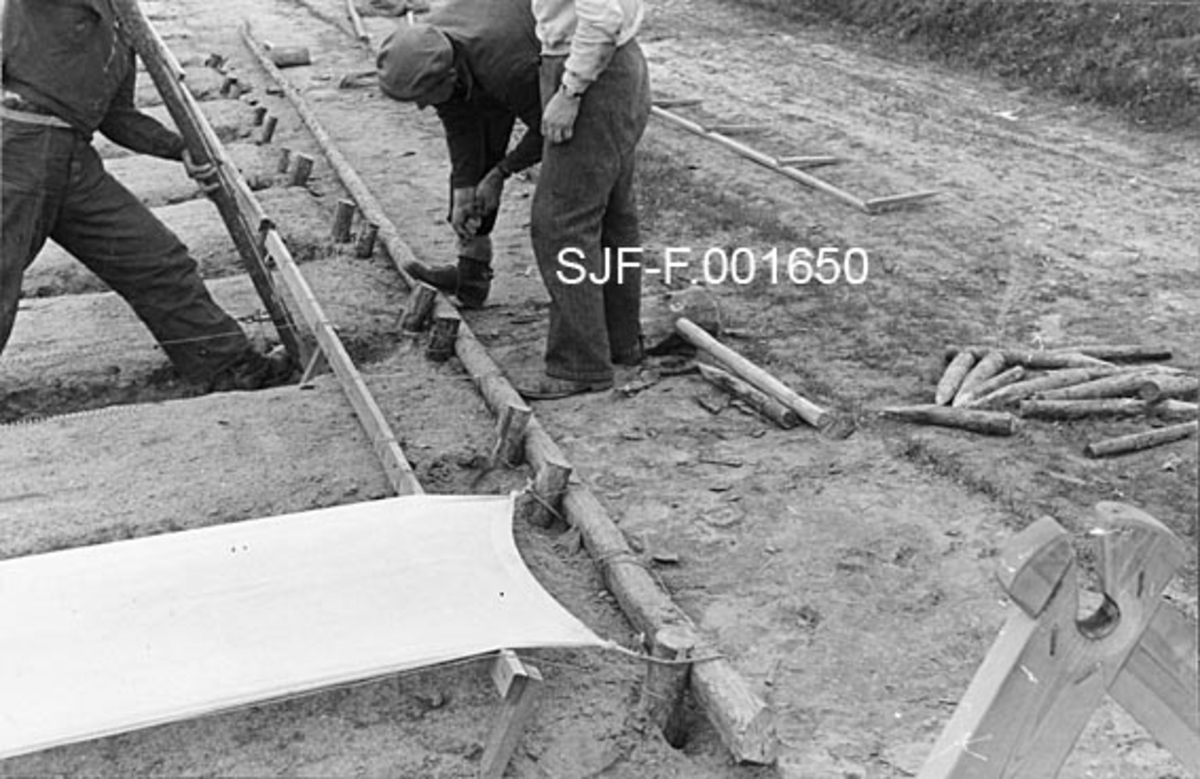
{"x": 986, "y": 422}
{"x": 243, "y": 218}
{"x": 759, "y": 401}
{"x": 1105, "y": 407}
{"x": 1136, "y": 442}
{"x": 1118, "y": 385}
{"x": 952, "y": 378}
{"x": 744, "y": 722}
{"x": 754, "y": 375}
{"x": 988, "y": 366}
{"x": 1120, "y": 352}
{"x": 765, "y": 160}
{"x": 1159, "y": 387}
{"x": 1020, "y": 390}
{"x": 1033, "y": 359}
{"x": 983, "y": 389}
{"x": 356, "y": 22}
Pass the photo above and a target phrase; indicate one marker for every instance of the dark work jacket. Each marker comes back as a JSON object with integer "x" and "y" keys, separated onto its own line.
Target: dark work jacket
{"x": 496, "y": 54}
{"x": 69, "y": 57}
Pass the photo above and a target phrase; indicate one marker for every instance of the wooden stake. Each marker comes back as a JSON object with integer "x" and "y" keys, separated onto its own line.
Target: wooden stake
{"x": 756, "y": 376}
{"x": 419, "y": 307}
{"x": 343, "y": 217}
{"x": 878, "y": 205}
{"x": 364, "y": 247}
{"x": 726, "y": 129}
{"x": 988, "y": 366}
{"x": 987, "y": 387}
{"x": 801, "y": 163}
{"x": 290, "y": 56}
{"x": 1118, "y": 385}
{"x": 1033, "y": 359}
{"x": 1119, "y": 352}
{"x": 952, "y": 379}
{"x": 285, "y": 159}
{"x": 1136, "y": 442}
{"x": 443, "y": 332}
{"x": 510, "y": 436}
{"x": 541, "y": 504}
{"x": 1014, "y": 393}
{"x": 268, "y": 130}
{"x": 301, "y": 170}
{"x": 260, "y": 113}
{"x": 1105, "y": 407}
{"x": 519, "y": 684}
{"x": 1158, "y": 387}
{"x": 665, "y": 686}
{"x": 677, "y": 102}
{"x": 986, "y": 422}
{"x": 760, "y": 401}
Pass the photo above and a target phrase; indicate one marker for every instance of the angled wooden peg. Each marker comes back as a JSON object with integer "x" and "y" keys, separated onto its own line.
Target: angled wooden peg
{"x": 518, "y": 684}
{"x": 1048, "y": 670}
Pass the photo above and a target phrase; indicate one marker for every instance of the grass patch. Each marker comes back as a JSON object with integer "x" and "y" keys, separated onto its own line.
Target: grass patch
{"x": 1142, "y": 59}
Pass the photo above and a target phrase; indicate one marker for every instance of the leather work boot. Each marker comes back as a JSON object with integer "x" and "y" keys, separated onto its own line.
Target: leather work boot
{"x": 444, "y": 277}
{"x": 474, "y": 282}
{"x": 254, "y": 371}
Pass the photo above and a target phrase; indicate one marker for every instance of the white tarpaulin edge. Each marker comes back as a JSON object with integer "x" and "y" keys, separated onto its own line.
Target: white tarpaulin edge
{"x": 106, "y": 639}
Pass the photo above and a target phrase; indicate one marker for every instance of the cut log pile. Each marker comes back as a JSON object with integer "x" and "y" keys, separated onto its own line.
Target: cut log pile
{"x": 991, "y": 390}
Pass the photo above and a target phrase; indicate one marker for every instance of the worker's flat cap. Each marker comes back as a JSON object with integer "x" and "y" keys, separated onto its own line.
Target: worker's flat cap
{"x": 413, "y": 61}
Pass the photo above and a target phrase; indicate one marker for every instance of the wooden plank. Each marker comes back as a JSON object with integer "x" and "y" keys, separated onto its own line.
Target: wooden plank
{"x": 383, "y": 440}
{"x": 1158, "y": 685}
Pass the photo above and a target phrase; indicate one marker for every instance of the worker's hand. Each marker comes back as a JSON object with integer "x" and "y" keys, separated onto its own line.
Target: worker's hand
{"x": 464, "y": 215}
{"x": 558, "y": 118}
{"x": 488, "y": 192}
{"x": 204, "y": 175}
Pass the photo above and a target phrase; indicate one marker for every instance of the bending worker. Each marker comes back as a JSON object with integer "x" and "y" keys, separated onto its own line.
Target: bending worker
{"x": 476, "y": 63}
{"x": 69, "y": 71}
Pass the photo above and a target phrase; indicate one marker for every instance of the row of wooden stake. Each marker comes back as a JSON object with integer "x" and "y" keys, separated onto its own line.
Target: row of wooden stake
{"x": 981, "y": 387}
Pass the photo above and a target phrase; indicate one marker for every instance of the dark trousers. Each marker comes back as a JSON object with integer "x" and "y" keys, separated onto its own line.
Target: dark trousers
{"x": 584, "y": 204}
{"x": 55, "y": 186}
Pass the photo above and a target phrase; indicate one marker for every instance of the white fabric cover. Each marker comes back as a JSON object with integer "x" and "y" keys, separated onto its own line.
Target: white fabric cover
{"x": 105, "y": 639}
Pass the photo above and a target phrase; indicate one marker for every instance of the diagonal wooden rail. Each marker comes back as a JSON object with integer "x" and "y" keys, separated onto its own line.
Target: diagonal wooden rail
{"x": 743, "y": 720}
{"x": 241, "y": 218}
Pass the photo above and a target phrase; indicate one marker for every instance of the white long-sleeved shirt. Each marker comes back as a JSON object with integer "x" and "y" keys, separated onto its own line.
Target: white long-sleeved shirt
{"x": 588, "y": 32}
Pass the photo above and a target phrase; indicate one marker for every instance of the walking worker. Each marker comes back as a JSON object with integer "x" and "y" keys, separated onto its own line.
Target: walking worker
{"x": 596, "y": 103}
{"x": 68, "y": 71}
{"x": 476, "y": 63}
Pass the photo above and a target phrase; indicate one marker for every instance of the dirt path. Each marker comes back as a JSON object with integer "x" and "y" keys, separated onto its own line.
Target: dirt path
{"x": 849, "y": 581}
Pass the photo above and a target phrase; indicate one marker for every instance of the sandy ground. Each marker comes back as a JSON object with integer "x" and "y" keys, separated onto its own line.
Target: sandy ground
{"x": 850, "y": 582}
